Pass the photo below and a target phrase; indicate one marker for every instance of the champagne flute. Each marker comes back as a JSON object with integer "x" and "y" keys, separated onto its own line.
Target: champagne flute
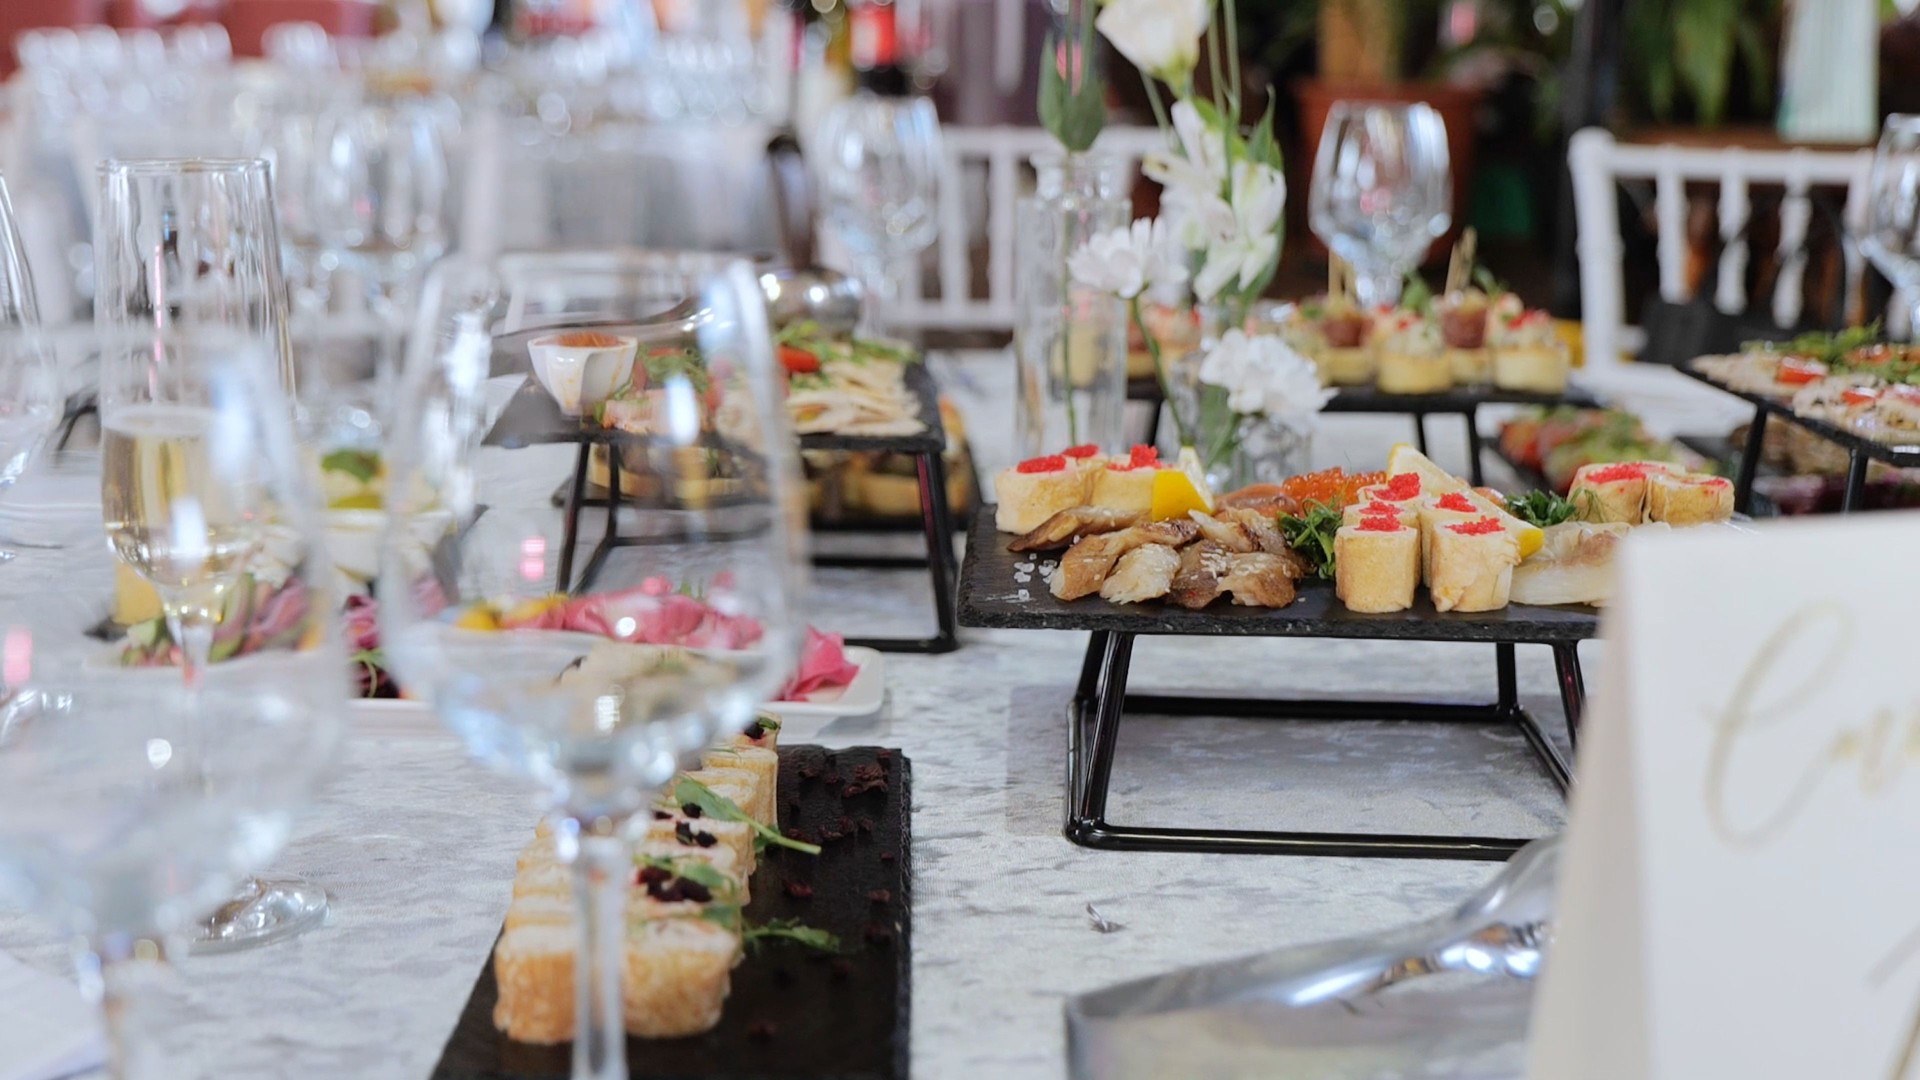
{"x": 197, "y": 519}
{"x": 130, "y": 803}
{"x": 879, "y": 159}
{"x": 1892, "y": 237}
{"x": 592, "y": 678}
{"x": 1382, "y": 192}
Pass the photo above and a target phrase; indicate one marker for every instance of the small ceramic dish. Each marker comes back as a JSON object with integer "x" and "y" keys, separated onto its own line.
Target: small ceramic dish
{"x": 582, "y": 368}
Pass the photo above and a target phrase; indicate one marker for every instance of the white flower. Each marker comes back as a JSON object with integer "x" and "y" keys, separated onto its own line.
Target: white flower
{"x": 1193, "y": 174}
{"x": 1264, "y": 375}
{"x": 1160, "y": 37}
{"x": 1128, "y": 260}
{"x": 1247, "y": 241}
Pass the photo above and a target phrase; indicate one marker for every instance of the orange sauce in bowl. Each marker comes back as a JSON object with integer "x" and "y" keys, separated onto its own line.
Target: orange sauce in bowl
{"x": 583, "y": 339}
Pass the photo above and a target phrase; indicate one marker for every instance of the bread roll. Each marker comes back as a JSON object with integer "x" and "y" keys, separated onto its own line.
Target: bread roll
{"x": 1377, "y": 564}
{"x": 1690, "y": 499}
{"x": 764, "y": 764}
{"x": 1472, "y": 565}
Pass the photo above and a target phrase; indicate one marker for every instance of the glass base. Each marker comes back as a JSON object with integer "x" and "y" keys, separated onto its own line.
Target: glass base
{"x": 261, "y": 913}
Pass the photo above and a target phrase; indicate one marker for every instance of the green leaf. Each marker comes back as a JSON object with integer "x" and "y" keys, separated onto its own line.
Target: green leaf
{"x": 1074, "y": 114}
{"x": 791, "y": 930}
{"x": 362, "y": 465}
{"x": 1703, "y": 54}
{"x": 1311, "y": 534}
{"x": 1542, "y": 508}
{"x": 1261, "y": 146}
{"x": 767, "y": 720}
{"x": 694, "y": 869}
{"x": 1489, "y": 284}
{"x": 1416, "y": 295}
{"x": 691, "y": 792}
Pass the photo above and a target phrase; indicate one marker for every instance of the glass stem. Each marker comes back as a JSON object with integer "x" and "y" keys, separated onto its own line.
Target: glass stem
{"x": 877, "y": 285}
{"x": 1379, "y": 288}
{"x": 601, "y": 865}
{"x": 125, "y": 976}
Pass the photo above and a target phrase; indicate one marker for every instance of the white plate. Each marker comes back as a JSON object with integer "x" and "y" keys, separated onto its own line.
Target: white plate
{"x": 861, "y": 697}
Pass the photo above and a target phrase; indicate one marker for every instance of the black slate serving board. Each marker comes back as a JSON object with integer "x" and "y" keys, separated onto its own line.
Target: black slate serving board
{"x": 1367, "y": 399}
{"x": 994, "y": 596}
{"x": 532, "y": 418}
{"x": 793, "y": 1013}
{"x": 1893, "y": 454}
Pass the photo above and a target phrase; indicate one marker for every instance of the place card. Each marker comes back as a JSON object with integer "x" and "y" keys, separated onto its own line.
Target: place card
{"x": 1739, "y": 896}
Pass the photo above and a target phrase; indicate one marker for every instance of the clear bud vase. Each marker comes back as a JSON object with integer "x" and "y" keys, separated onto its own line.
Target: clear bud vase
{"x": 1070, "y": 342}
{"x": 1234, "y": 449}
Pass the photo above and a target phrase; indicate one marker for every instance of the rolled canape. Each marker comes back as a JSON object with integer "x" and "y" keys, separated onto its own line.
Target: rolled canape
{"x": 1404, "y": 512}
{"x": 1689, "y": 499}
{"x": 755, "y": 798}
{"x": 1437, "y": 512}
{"x": 1472, "y": 565}
{"x": 1612, "y": 492}
{"x": 1127, "y": 483}
{"x": 675, "y": 977}
{"x": 1377, "y": 564}
{"x": 763, "y": 764}
{"x": 1035, "y": 490}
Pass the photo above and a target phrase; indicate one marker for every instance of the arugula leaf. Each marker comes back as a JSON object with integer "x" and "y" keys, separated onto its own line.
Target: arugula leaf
{"x": 726, "y": 915}
{"x": 791, "y": 930}
{"x": 1073, "y": 113}
{"x": 692, "y": 792}
{"x": 1416, "y": 295}
{"x": 1310, "y": 533}
{"x": 362, "y": 465}
{"x": 767, "y": 720}
{"x": 699, "y": 871}
{"x": 1542, "y": 508}
{"x": 680, "y": 363}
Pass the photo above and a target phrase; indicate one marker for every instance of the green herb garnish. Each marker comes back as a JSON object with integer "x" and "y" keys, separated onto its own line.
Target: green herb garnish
{"x": 767, "y": 720}
{"x": 791, "y": 930}
{"x": 1416, "y": 295}
{"x": 1543, "y": 508}
{"x": 1310, "y": 533}
{"x": 697, "y": 870}
{"x": 691, "y": 792}
{"x": 664, "y": 367}
{"x": 362, "y": 465}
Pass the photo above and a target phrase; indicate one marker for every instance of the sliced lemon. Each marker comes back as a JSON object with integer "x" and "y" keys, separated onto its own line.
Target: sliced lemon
{"x": 528, "y": 610}
{"x": 1181, "y": 488}
{"x": 477, "y": 617}
{"x": 1435, "y": 480}
{"x": 366, "y": 500}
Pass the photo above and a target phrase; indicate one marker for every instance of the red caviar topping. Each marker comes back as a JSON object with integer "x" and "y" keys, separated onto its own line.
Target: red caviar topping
{"x": 1458, "y": 503}
{"x": 1715, "y": 482}
{"x": 1140, "y": 457}
{"x": 1376, "y": 508}
{"x": 1403, "y": 486}
{"x": 1080, "y": 453}
{"x": 1380, "y": 523}
{"x": 1048, "y": 463}
{"x": 1481, "y": 527}
{"x": 1616, "y": 473}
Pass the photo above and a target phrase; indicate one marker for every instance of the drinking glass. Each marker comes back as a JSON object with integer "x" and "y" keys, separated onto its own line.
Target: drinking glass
{"x": 1382, "y": 192}
{"x": 194, "y": 517}
{"x": 592, "y": 678}
{"x": 131, "y": 802}
{"x": 379, "y": 193}
{"x": 1892, "y": 237}
{"x": 191, "y": 243}
{"x": 29, "y": 382}
{"x": 879, "y": 161}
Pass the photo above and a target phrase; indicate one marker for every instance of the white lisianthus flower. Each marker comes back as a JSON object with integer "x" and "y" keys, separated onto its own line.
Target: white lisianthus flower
{"x": 1264, "y": 375}
{"x": 1128, "y": 260}
{"x": 1193, "y": 174}
{"x": 1160, "y": 37}
{"x": 1239, "y": 251}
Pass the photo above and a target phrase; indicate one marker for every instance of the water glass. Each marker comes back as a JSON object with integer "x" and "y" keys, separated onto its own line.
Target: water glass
{"x": 879, "y": 161}
{"x": 1382, "y": 192}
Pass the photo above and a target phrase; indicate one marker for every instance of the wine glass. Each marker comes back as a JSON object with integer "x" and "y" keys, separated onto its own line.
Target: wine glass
{"x": 29, "y": 382}
{"x": 593, "y": 677}
{"x": 1892, "y": 237}
{"x": 879, "y": 160}
{"x": 195, "y": 527}
{"x": 131, "y": 802}
{"x": 191, "y": 242}
{"x": 1382, "y": 191}
{"x": 379, "y": 193}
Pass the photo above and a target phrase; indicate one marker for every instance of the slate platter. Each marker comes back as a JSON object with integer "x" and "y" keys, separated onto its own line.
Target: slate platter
{"x": 1367, "y": 399}
{"x": 532, "y": 418}
{"x": 1905, "y": 455}
{"x": 793, "y": 1013}
{"x": 1004, "y": 591}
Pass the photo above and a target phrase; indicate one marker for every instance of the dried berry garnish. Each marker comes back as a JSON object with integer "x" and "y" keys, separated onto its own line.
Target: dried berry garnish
{"x": 842, "y": 969}
{"x": 678, "y": 890}
{"x": 880, "y": 896}
{"x": 662, "y": 815}
{"x": 652, "y": 875}
{"x": 809, "y": 772}
{"x": 865, "y": 778}
{"x": 886, "y": 856}
{"x": 762, "y": 1029}
{"x": 692, "y": 810}
{"x": 878, "y": 934}
{"x": 799, "y": 890}
{"x": 866, "y": 824}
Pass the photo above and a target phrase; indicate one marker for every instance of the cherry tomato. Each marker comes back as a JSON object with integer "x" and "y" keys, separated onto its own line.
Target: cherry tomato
{"x": 798, "y": 361}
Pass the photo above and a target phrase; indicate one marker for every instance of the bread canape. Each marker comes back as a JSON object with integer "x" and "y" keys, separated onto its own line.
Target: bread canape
{"x": 1126, "y": 483}
{"x": 1437, "y": 512}
{"x": 1347, "y": 358}
{"x": 1463, "y": 326}
{"x": 755, "y": 797}
{"x": 1411, "y": 355}
{"x": 1038, "y": 488}
{"x": 1527, "y": 355}
{"x": 1616, "y": 491}
{"x": 1407, "y": 513}
{"x": 1472, "y": 565}
{"x": 1573, "y": 566}
{"x": 1377, "y": 564}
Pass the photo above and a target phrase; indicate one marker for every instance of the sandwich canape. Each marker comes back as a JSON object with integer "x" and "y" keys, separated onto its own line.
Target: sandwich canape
{"x": 1689, "y": 498}
{"x": 1126, "y": 483}
{"x": 1472, "y": 565}
{"x": 1527, "y": 355}
{"x": 1036, "y": 489}
{"x": 1411, "y": 354}
{"x": 1573, "y": 566}
{"x": 1463, "y": 326}
{"x": 1347, "y": 358}
{"x": 1437, "y": 512}
{"x": 1377, "y": 563}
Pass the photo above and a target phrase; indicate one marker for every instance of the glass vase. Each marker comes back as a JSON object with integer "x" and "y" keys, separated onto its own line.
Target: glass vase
{"x": 1070, "y": 342}
{"x": 1234, "y": 449}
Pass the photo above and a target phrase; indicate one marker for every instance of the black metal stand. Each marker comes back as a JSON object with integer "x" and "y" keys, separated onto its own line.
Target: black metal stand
{"x": 1101, "y": 702}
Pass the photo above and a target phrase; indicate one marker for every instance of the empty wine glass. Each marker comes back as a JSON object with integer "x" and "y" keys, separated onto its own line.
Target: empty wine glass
{"x": 1892, "y": 236}
{"x": 379, "y": 191}
{"x": 29, "y": 381}
{"x": 592, "y": 678}
{"x": 131, "y": 802}
{"x": 1382, "y": 192}
{"x": 206, "y": 525}
{"x": 17, "y": 305}
{"x": 879, "y": 160}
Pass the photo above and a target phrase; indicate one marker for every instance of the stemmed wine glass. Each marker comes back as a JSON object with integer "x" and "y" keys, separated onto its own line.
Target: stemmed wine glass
{"x": 1382, "y": 191}
{"x": 879, "y": 161}
{"x": 593, "y": 677}
{"x": 1892, "y": 237}
{"x": 192, "y": 245}
{"x": 378, "y": 197}
{"x": 130, "y": 801}
{"x": 29, "y": 381}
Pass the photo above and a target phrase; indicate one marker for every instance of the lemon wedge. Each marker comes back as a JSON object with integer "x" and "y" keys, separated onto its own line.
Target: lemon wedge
{"x": 1181, "y": 488}
{"x": 477, "y": 617}
{"x": 1435, "y": 480}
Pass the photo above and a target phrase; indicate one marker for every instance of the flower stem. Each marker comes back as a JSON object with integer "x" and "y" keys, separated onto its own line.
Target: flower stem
{"x": 1233, "y": 59}
{"x": 1066, "y": 316}
{"x": 1153, "y": 99}
{"x": 1219, "y": 80}
{"x": 1160, "y": 372}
